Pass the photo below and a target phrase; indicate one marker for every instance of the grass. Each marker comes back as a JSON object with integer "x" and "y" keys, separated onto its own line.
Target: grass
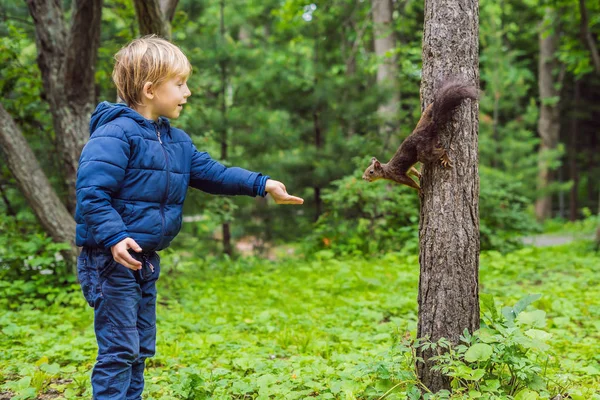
{"x": 298, "y": 329}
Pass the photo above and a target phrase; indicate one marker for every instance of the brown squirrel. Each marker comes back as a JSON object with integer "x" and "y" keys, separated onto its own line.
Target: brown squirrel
{"x": 423, "y": 143}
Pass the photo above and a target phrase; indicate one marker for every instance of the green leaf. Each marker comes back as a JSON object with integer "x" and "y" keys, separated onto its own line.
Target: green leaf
{"x": 488, "y": 304}
{"x": 525, "y": 302}
{"x": 535, "y": 319}
{"x": 527, "y": 394}
{"x": 478, "y": 352}
{"x": 510, "y": 313}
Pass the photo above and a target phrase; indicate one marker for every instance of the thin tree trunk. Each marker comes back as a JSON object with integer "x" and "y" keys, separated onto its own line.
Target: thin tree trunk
{"x": 573, "y": 136}
{"x": 227, "y": 247}
{"x": 587, "y": 36}
{"x": 32, "y": 181}
{"x": 387, "y": 71}
{"x": 598, "y": 230}
{"x": 588, "y": 39}
{"x": 168, "y": 9}
{"x": 449, "y": 224}
{"x": 318, "y": 145}
{"x": 495, "y": 136}
{"x": 155, "y": 16}
{"x": 549, "y": 123}
{"x": 9, "y": 209}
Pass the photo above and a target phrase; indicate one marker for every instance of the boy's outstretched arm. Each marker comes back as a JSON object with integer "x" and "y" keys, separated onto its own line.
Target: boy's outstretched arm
{"x": 277, "y": 190}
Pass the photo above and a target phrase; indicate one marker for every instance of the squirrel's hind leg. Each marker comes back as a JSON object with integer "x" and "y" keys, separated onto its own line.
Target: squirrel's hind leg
{"x": 414, "y": 172}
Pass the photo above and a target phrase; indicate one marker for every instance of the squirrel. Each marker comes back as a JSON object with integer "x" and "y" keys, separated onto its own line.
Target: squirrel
{"x": 423, "y": 143}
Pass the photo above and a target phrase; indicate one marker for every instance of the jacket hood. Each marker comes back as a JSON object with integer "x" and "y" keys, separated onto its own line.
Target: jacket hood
{"x": 106, "y": 112}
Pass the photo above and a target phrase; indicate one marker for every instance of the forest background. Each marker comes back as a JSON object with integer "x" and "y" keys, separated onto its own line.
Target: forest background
{"x": 308, "y": 93}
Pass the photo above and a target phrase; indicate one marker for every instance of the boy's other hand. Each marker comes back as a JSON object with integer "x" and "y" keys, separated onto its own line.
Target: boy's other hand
{"x": 122, "y": 256}
{"x": 277, "y": 190}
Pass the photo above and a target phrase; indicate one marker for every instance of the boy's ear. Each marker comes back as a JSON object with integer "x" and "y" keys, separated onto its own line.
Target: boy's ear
{"x": 148, "y": 90}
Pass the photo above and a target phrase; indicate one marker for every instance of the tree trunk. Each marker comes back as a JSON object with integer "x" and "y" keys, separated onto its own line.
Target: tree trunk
{"x": 67, "y": 63}
{"x": 387, "y": 71}
{"x": 319, "y": 146}
{"x": 449, "y": 224}
{"x": 227, "y": 247}
{"x": 32, "y": 181}
{"x": 588, "y": 37}
{"x": 154, "y": 16}
{"x": 319, "y": 139}
{"x": 549, "y": 123}
{"x": 598, "y": 230}
{"x": 573, "y": 136}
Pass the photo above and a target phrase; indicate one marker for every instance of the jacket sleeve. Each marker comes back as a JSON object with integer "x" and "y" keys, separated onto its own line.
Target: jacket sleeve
{"x": 213, "y": 177}
{"x": 100, "y": 175}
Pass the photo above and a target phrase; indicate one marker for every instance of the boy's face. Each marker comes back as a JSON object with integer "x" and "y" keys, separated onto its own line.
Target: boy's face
{"x": 169, "y": 97}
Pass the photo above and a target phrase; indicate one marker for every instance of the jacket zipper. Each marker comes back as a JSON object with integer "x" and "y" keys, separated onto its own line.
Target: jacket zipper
{"x": 166, "y": 195}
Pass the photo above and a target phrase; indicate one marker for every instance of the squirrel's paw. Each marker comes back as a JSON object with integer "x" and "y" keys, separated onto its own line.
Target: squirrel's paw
{"x": 445, "y": 161}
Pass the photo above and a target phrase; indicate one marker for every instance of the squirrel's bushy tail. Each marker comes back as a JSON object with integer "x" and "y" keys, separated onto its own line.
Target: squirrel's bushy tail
{"x": 448, "y": 98}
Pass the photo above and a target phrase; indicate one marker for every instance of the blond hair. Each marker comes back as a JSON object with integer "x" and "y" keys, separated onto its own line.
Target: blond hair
{"x": 147, "y": 59}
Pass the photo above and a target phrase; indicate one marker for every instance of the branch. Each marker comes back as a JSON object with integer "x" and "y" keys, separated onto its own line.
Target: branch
{"x": 32, "y": 182}
{"x": 9, "y": 210}
{"x": 82, "y": 51}
{"x": 6, "y": 17}
{"x": 168, "y": 9}
{"x": 359, "y": 35}
{"x": 51, "y": 41}
{"x": 151, "y": 19}
{"x": 587, "y": 37}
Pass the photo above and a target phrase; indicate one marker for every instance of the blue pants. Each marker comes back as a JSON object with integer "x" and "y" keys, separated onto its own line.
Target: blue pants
{"x": 124, "y": 304}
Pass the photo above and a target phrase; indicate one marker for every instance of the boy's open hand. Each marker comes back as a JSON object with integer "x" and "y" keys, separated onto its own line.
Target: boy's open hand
{"x": 277, "y": 190}
{"x": 122, "y": 256}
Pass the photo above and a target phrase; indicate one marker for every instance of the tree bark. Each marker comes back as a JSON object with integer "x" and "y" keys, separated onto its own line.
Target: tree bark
{"x": 573, "y": 137}
{"x": 449, "y": 223}
{"x": 168, "y": 9}
{"x": 67, "y": 63}
{"x": 226, "y": 229}
{"x": 549, "y": 123}
{"x": 32, "y": 181}
{"x": 152, "y": 17}
{"x": 387, "y": 71}
{"x": 319, "y": 147}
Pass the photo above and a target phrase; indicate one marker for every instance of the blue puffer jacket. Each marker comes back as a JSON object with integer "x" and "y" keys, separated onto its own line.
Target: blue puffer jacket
{"x": 133, "y": 177}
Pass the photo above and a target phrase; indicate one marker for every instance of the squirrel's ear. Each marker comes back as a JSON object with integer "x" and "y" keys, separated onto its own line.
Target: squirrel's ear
{"x": 377, "y": 164}
{"x": 373, "y": 160}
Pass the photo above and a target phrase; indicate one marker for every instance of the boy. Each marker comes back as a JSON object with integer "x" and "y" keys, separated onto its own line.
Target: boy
{"x": 131, "y": 183}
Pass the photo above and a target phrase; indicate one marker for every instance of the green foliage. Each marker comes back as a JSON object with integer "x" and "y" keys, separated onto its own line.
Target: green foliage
{"x": 32, "y": 270}
{"x": 508, "y": 356}
{"x": 333, "y": 328}
{"x": 370, "y": 218}
{"x": 503, "y": 211}
{"x": 367, "y": 218}
{"x": 585, "y": 226}
{"x": 291, "y": 89}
